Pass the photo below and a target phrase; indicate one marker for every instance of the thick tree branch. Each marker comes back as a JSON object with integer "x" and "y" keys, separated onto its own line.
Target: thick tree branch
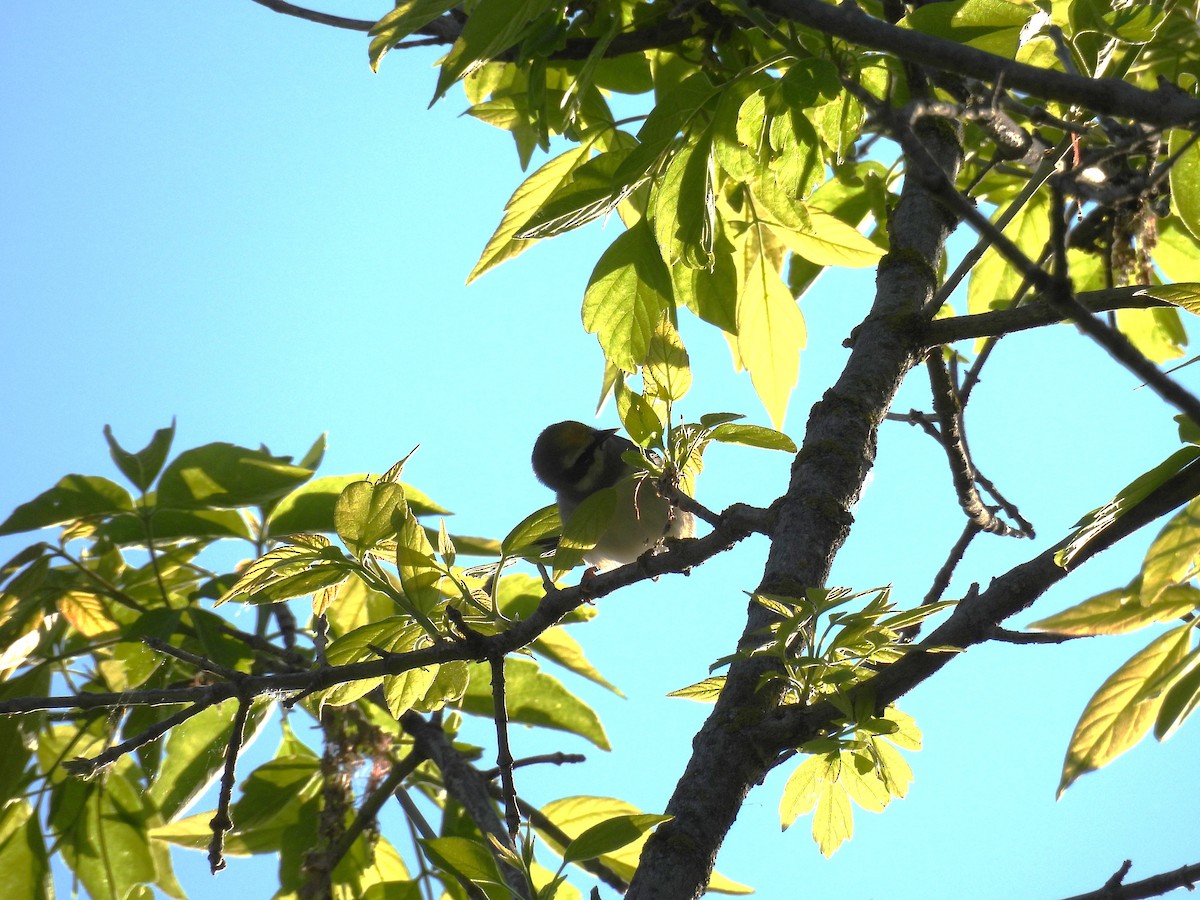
{"x": 813, "y": 521}
{"x": 1165, "y": 107}
{"x": 1036, "y": 314}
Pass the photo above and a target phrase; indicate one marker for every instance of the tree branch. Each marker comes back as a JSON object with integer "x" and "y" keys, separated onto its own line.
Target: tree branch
{"x": 680, "y": 556}
{"x": 1165, "y": 107}
{"x": 466, "y": 785}
{"x": 813, "y": 522}
{"x": 1036, "y": 314}
{"x": 1154, "y": 886}
{"x": 973, "y": 622}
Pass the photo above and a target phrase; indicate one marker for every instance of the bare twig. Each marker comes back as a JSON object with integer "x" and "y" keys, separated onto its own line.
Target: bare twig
{"x": 309, "y": 15}
{"x": 504, "y": 757}
{"x": 1007, "y": 636}
{"x": 221, "y": 822}
{"x": 556, "y": 759}
{"x": 945, "y": 403}
{"x": 368, "y": 812}
{"x": 86, "y": 768}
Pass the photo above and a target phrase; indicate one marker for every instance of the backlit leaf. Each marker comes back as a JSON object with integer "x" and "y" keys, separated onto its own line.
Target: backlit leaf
{"x": 1119, "y": 715}
{"x": 627, "y": 294}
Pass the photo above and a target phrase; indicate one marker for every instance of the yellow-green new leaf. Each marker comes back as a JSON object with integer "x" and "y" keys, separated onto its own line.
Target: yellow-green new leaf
{"x": 1120, "y": 714}
{"x": 1185, "y": 179}
{"x": 667, "y": 365}
{"x": 804, "y": 786}
{"x": 407, "y": 17}
{"x": 492, "y": 27}
{"x": 995, "y": 281}
{"x": 1173, "y": 556}
{"x": 833, "y": 822}
{"x": 1120, "y": 611}
{"x": 365, "y": 512}
{"x": 684, "y": 208}
{"x": 526, "y": 201}
{"x": 706, "y": 691}
{"x": 574, "y": 815}
{"x": 628, "y": 293}
{"x": 771, "y": 331}
{"x": 828, "y": 241}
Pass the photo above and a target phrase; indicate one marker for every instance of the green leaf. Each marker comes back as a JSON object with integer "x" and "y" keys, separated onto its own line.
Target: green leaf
{"x": 771, "y": 330}
{"x": 612, "y": 834}
{"x": 574, "y": 815}
{"x": 1185, "y": 179}
{"x": 365, "y": 514}
{"x": 591, "y": 192}
{"x": 310, "y": 508}
{"x": 407, "y": 17}
{"x": 556, "y": 645}
{"x": 1185, "y": 294}
{"x": 995, "y": 281}
{"x": 683, "y": 207}
{"x": 175, "y": 524}
{"x": 706, "y": 691}
{"x": 536, "y": 190}
{"x": 711, "y": 295}
{"x": 74, "y": 497}
{"x": 534, "y": 698}
{"x": 1172, "y": 558}
{"x": 103, "y": 826}
{"x": 667, "y": 365}
{"x": 532, "y": 532}
{"x": 24, "y": 865}
{"x": 223, "y": 476}
{"x": 825, "y": 240}
{"x": 492, "y": 27}
{"x": 586, "y": 526}
{"x": 833, "y": 821}
{"x": 1119, "y": 714}
{"x": 142, "y": 468}
{"x": 1095, "y": 522}
{"x": 1179, "y": 702}
{"x": 991, "y": 25}
{"x": 194, "y": 755}
{"x": 754, "y": 436}
{"x": 1157, "y": 333}
{"x": 395, "y": 634}
{"x": 639, "y": 417}
{"x": 627, "y": 294}
{"x": 469, "y": 859}
{"x": 803, "y": 788}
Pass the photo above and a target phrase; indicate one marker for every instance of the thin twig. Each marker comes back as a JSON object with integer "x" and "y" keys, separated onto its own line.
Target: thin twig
{"x": 199, "y": 662}
{"x": 368, "y": 812}
{"x": 309, "y": 15}
{"x": 556, "y": 759}
{"x": 945, "y": 404}
{"x": 222, "y": 822}
{"x": 1008, "y": 636}
{"x": 504, "y": 757}
{"x": 86, "y": 768}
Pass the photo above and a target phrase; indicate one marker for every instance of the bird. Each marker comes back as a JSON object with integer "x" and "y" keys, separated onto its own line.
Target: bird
{"x": 575, "y": 461}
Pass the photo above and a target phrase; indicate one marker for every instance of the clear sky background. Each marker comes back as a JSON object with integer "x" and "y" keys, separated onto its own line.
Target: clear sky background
{"x": 213, "y": 212}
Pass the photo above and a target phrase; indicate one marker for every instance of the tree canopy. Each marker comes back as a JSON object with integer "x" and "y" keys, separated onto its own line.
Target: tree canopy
{"x": 999, "y": 167}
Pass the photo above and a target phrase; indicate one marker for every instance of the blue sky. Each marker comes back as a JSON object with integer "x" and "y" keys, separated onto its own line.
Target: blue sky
{"x": 216, "y": 213}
